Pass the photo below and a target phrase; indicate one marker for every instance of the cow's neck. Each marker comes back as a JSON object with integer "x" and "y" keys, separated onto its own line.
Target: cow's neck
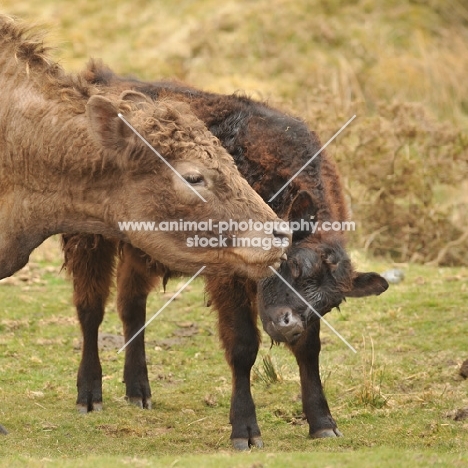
{"x": 27, "y": 219}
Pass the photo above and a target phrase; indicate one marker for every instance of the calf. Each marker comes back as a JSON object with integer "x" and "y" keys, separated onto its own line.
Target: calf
{"x": 69, "y": 162}
{"x": 268, "y": 148}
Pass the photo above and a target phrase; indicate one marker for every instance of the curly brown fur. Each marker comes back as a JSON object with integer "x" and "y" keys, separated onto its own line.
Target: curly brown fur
{"x": 67, "y": 161}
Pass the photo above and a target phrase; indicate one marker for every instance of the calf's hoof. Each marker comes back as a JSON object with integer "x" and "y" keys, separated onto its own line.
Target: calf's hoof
{"x": 323, "y": 433}
{"x": 246, "y": 444}
{"x": 143, "y": 403}
{"x": 3, "y": 430}
{"x": 87, "y": 408}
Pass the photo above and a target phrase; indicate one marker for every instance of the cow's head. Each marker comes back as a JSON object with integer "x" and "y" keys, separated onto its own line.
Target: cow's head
{"x": 193, "y": 166}
{"x": 319, "y": 270}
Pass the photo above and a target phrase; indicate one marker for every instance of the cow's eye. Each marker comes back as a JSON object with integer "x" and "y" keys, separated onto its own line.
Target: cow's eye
{"x": 194, "y": 179}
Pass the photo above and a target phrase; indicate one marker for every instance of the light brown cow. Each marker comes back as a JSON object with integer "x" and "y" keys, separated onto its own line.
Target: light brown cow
{"x": 68, "y": 163}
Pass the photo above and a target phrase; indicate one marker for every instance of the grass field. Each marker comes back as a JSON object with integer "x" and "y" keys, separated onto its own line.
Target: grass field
{"x": 399, "y": 401}
{"x": 396, "y": 400}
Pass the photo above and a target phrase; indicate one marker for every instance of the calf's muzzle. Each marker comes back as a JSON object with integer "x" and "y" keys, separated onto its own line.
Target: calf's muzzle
{"x": 282, "y": 324}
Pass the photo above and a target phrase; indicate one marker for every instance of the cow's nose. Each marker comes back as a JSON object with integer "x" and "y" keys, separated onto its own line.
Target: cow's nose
{"x": 283, "y": 233}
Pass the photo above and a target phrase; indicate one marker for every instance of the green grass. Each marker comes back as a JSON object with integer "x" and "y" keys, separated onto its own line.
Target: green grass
{"x": 392, "y": 400}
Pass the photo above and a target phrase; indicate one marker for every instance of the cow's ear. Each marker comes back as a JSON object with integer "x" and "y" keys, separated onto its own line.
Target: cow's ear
{"x": 367, "y": 284}
{"x": 106, "y": 126}
{"x": 302, "y": 208}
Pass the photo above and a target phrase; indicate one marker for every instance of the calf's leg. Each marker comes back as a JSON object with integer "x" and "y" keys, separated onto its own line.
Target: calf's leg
{"x": 89, "y": 259}
{"x": 240, "y": 338}
{"x": 136, "y": 277}
{"x": 315, "y": 406}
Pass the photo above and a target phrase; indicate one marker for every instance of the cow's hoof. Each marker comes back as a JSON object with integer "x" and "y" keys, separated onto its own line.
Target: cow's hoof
{"x": 246, "y": 444}
{"x": 84, "y": 409}
{"x": 324, "y": 433}
{"x": 3, "y": 430}
{"x": 143, "y": 403}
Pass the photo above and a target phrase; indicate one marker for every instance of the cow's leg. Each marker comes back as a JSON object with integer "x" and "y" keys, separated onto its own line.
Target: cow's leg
{"x": 89, "y": 260}
{"x": 315, "y": 406}
{"x": 240, "y": 338}
{"x": 16, "y": 245}
{"x": 135, "y": 279}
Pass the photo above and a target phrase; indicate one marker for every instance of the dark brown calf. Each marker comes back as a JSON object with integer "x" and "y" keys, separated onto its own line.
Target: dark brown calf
{"x": 268, "y": 148}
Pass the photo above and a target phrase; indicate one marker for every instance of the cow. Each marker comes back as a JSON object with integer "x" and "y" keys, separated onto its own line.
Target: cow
{"x": 70, "y": 160}
{"x": 269, "y": 147}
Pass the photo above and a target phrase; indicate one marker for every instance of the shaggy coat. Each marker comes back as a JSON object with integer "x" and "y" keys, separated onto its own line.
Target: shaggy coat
{"x": 68, "y": 163}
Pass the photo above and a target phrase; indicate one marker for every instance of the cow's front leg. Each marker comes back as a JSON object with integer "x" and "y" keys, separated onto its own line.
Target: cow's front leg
{"x": 16, "y": 244}
{"x": 240, "y": 338}
{"x": 315, "y": 406}
{"x": 136, "y": 277}
{"x": 89, "y": 260}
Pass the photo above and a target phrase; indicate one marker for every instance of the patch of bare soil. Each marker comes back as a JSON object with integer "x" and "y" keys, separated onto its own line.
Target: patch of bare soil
{"x": 464, "y": 369}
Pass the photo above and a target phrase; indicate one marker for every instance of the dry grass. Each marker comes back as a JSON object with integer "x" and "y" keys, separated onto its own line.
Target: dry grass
{"x": 404, "y": 173}
{"x": 369, "y": 391}
{"x": 267, "y": 372}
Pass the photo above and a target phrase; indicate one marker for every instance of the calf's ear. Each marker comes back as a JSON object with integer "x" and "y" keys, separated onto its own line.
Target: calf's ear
{"x": 367, "y": 284}
{"x": 105, "y": 125}
{"x": 302, "y": 207}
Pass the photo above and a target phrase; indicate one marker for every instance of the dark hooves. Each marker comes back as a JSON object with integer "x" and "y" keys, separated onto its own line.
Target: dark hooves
{"x": 247, "y": 444}
{"x": 3, "y": 430}
{"x": 84, "y": 408}
{"x": 324, "y": 433}
{"x": 143, "y": 403}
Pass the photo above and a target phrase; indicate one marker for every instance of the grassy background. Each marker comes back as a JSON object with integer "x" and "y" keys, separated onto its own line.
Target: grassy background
{"x": 396, "y": 399}
{"x": 322, "y": 60}
{"x": 366, "y": 49}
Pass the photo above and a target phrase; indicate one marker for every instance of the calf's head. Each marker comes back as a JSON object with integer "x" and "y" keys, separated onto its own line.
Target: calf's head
{"x": 323, "y": 277}
{"x": 194, "y": 180}
{"x": 317, "y": 277}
